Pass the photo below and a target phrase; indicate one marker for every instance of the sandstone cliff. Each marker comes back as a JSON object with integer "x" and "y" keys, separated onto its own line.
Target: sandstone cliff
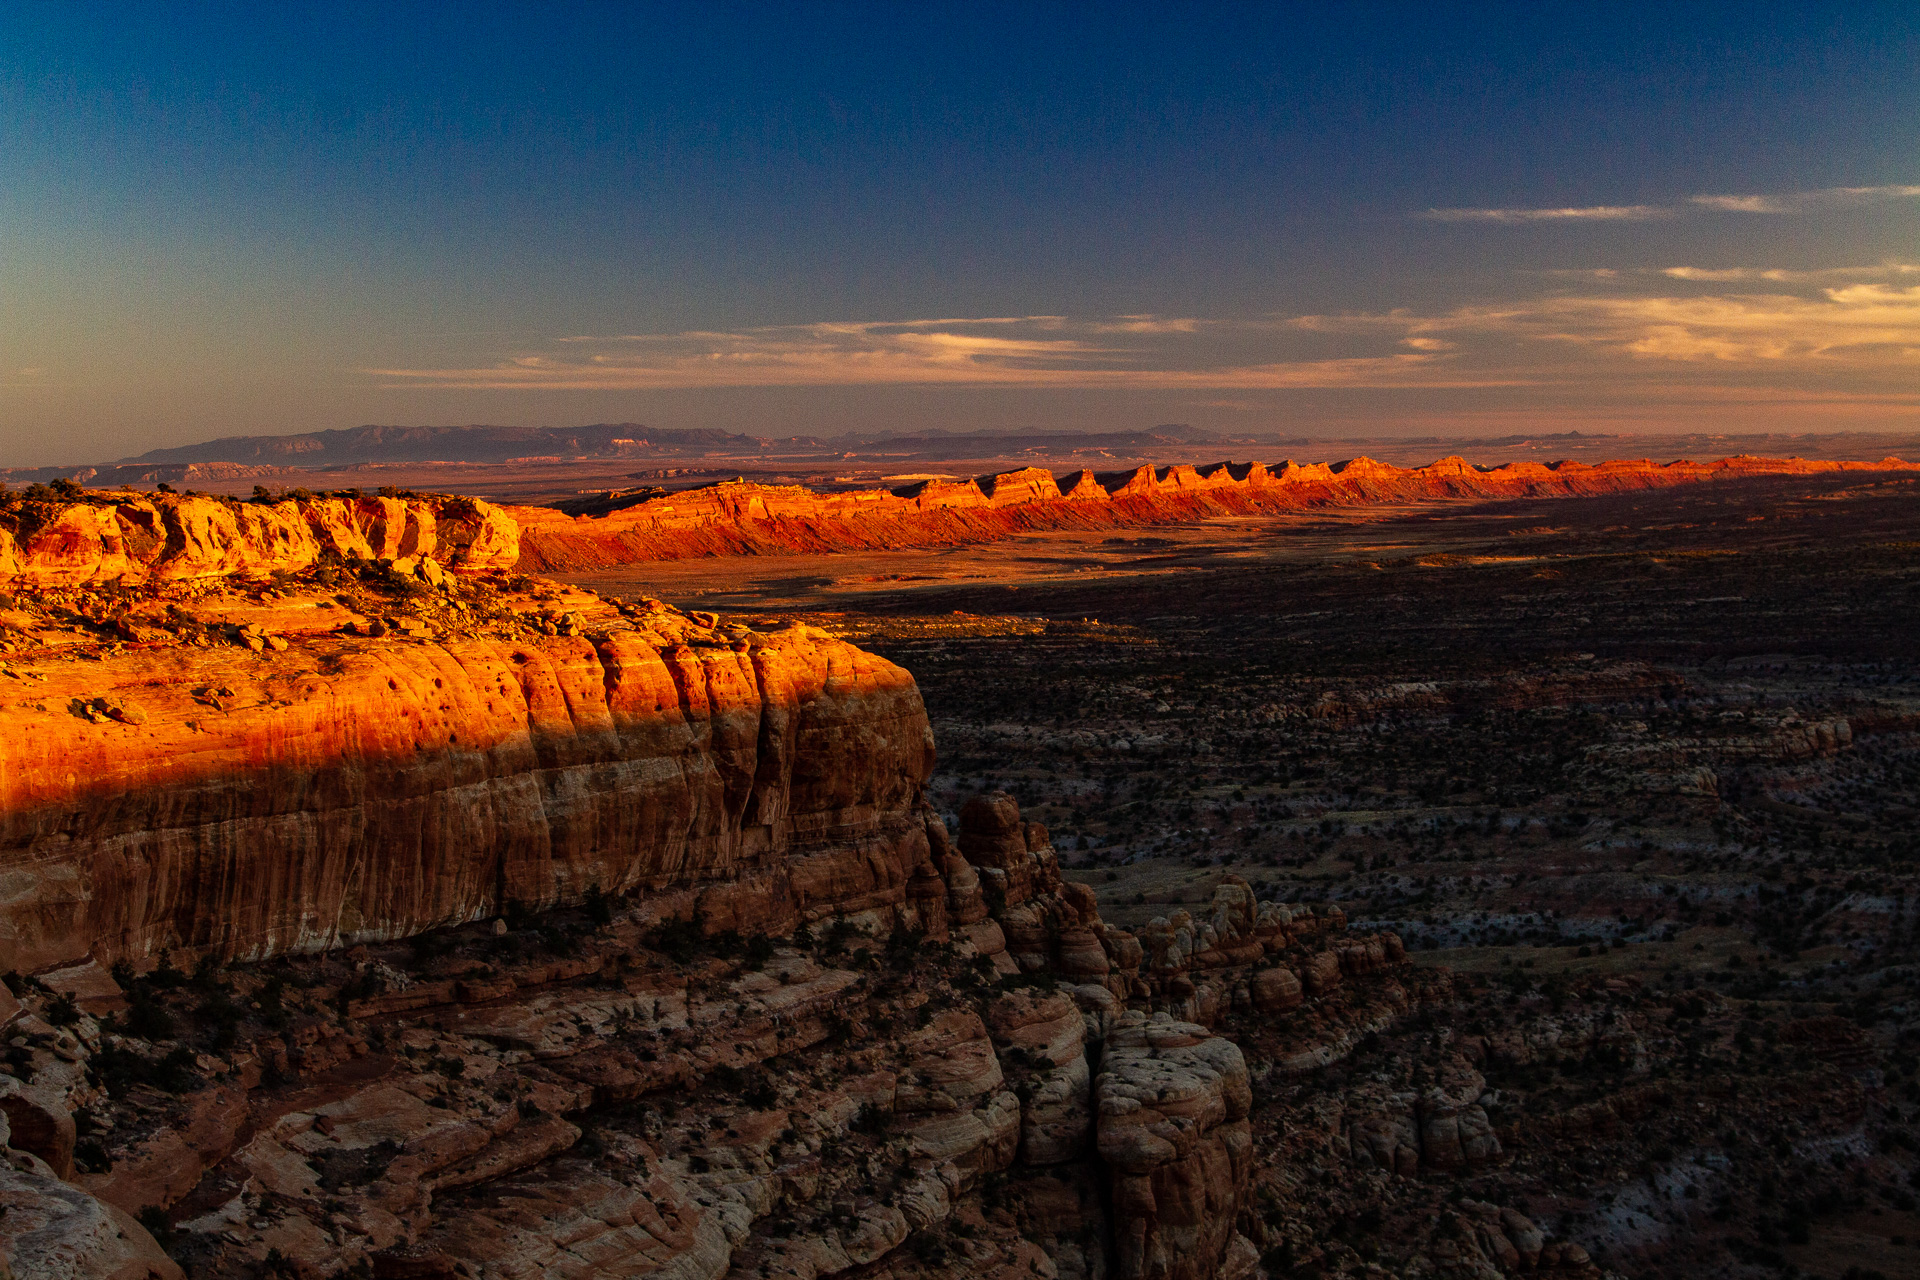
{"x": 972, "y": 1075}
{"x": 126, "y": 537}
{"x": 740, "y": 518}
{"x": 332, "y": 788}
{"x": 599, "y": 937}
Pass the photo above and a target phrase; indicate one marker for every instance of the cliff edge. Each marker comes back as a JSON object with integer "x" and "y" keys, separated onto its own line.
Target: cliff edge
{"x": 738, "y": 518}
{"x": 240, "y": 770}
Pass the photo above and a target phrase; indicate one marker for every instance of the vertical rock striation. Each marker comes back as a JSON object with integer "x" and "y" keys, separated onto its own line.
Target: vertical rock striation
{"x": 347, "y": 790}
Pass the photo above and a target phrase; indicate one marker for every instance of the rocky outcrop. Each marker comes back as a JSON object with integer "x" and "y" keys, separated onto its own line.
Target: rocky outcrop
{"x": 1442, "y": 1126}
{"x": 236, "y": 803}
{"x": 52, "y": 1230}
{"x": 734, "y": 517}
{"x": 128, "y": 538}
{"x": 382, "y": 1166}
{"x": 1046, "y": 1036}
{"x": 802, "y": 1030}
{"x": 1172, "y": 1101}
{"x": 1454, "y": 1130}
{"x": 888, "y": 1089}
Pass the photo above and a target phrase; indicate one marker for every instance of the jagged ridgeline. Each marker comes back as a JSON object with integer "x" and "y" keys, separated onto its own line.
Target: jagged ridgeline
{"x": 738, "y": 518}
{"x": 65, "y": 535}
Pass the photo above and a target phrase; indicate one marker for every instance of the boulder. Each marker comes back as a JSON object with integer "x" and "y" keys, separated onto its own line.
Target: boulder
{"x": 52, "y": 1230}
{"x": 1276, "y": 989}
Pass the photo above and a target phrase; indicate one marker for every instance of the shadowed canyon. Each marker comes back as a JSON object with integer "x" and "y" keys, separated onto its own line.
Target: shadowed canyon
{"x": 1162, "y": 874}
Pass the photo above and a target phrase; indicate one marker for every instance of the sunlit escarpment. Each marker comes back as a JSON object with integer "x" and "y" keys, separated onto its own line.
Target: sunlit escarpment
{"x": 740, "y": 518}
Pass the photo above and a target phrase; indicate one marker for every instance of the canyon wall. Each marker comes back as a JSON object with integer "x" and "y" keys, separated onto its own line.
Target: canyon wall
{"x": 978, "y": 1077}
{"x": 130, "y": 537}
{"x": 751, "y": 519}
{"x": 328, "y": 788}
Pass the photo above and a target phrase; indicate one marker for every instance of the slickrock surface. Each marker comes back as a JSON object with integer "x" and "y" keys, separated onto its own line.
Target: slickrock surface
{"x": 629, "y": 1088}
{"x": 735, "y": 518}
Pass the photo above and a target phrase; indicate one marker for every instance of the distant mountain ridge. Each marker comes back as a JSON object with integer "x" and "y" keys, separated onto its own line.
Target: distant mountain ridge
{"x": 615, "y": 440}
{"x": 446, "y": 444}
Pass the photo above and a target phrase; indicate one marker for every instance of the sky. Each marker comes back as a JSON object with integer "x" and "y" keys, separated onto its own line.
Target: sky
{"x": 1277, "y": 219}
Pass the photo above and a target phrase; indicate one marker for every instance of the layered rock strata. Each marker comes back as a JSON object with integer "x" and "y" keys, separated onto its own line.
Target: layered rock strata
{"x": 736, "y": 518}
{"x": 126, "y": 537}
{"x": 891, "y": 1089}
{"x": 331, "y": 788}
{"x": 583, "y": 936}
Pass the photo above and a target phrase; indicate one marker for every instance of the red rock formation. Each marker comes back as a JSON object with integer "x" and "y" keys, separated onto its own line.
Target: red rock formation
{"x": 997, "y": 844}
{"x": 738, "y": 518}
{"x": 244, "y": 804}
{"x": 128, "y": 537}
{"x": 1010, "y": 488}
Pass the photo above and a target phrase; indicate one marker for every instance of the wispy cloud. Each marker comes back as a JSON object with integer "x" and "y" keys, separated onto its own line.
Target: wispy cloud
{"x": 1852, "y": 330}
{"x": 1148, "y": 324}
{"x": 1587, "y": 213}
{"x": 1744, "y": 204}
{"x": 1868, "y": 327}
{"x": 1806, "y": 201}
{"x": 1779, "y": 203}
{"x": 1782, "y": 275}
{"x": 1134, "y": 351}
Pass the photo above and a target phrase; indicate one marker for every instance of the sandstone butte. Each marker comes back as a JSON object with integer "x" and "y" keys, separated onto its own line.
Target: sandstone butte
{"x": 310, "y": 728}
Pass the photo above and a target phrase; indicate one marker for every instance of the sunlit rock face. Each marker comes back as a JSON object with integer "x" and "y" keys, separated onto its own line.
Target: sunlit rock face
{"x": 132, "y": 538}
{"x": 741, "y": 518}
{"x": 305, "y": 733}
{"x": 341, "y": 788}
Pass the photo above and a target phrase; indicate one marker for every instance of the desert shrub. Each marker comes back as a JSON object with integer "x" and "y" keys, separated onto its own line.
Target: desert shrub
{"x": 117, "y": 1070}
{"x": 678, "y": 940}
{"x": 147, "y": 1018}
{"x": 61, "y": 1010}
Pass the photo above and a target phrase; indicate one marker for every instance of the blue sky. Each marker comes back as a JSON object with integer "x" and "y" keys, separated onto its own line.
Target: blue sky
{"x": 1310, "y": 220}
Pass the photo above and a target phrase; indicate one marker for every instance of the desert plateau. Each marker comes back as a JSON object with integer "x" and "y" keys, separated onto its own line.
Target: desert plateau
{"x": 1448, "y": 871}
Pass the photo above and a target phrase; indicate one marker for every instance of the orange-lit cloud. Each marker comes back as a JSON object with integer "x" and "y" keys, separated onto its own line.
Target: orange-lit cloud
{"x": 1759, "y": 325}
{"x": 1866, "y": 326}
{"x": 1035, "y": 351}
{"x": 1781, "y": 275}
